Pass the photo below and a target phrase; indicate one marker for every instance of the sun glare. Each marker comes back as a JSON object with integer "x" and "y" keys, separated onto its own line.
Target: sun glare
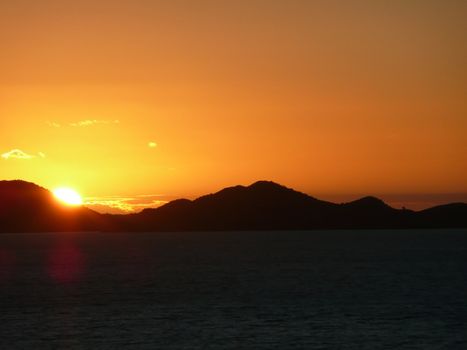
{"x": 68, "y": 196}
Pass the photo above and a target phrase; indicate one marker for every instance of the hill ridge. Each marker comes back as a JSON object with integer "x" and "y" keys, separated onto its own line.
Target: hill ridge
{"x": 262, "y": 205}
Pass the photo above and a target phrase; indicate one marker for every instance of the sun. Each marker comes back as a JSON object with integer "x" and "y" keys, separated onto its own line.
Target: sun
{"x": 68, "y": 196}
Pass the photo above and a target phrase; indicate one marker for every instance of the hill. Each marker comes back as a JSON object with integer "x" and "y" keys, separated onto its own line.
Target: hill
{"x": 26, "y": 207}
{"x": 264, "y": 205}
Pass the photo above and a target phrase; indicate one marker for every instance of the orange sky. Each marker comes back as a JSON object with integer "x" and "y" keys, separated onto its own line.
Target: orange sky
{"x": 333, "y": 98}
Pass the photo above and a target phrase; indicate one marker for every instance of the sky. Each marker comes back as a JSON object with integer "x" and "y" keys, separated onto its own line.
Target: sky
{"x": 134, "y": 103}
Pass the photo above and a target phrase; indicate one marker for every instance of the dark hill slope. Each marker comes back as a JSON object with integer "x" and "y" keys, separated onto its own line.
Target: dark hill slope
{"x": 448, "y": 215}
{"x": 264, "y": 205}
{"x": 372, "y": 212}
{"x": 26, "y": 207}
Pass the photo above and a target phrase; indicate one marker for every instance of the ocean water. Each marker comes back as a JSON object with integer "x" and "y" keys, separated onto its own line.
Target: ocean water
{"x": 234, "y": 290}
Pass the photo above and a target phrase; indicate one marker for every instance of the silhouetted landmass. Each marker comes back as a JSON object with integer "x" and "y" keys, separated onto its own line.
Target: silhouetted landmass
{"x": 264, "y": 205}
{"x": 26, "y": 207}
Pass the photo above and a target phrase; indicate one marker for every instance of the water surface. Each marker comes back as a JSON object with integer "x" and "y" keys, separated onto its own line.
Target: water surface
{"x": 234, "y": 290}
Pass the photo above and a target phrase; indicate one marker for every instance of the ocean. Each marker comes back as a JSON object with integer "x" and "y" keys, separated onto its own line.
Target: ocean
{"x": 380, "y": 289}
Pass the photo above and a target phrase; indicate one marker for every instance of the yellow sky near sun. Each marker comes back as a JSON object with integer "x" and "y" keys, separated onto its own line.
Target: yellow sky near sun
{"x": 327, "y": 97}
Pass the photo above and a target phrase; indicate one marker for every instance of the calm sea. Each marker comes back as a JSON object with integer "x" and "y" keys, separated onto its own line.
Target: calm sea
{"x": 234, "y": 290}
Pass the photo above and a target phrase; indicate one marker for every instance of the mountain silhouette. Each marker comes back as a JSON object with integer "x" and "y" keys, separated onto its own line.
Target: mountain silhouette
{"x": 264, "y": 205}
{"x": 26, "y": 207}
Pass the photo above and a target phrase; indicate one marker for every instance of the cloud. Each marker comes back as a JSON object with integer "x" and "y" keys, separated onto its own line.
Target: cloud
{"x": 152, "y": 144}
{"x": 109, "y": 205}
{"x": 124, "y": 205}
{"x": 18, "y": 154}
{"x": 90, "y": 122}
{"x": 53, "y": 124}
{"x": 82, "y": 123}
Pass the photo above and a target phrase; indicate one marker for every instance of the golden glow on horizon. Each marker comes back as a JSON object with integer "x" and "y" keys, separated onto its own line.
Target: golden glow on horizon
{"x": 68, "y": 196}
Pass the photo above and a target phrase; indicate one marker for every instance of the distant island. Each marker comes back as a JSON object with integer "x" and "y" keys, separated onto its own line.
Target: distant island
{"x": 264, "y": 205}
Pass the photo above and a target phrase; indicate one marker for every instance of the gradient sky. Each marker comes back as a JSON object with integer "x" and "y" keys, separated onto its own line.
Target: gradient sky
{"x": 163, "y": 99}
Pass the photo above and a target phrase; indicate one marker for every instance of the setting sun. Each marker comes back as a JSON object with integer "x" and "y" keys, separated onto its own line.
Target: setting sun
{"x": 68, "y": 196}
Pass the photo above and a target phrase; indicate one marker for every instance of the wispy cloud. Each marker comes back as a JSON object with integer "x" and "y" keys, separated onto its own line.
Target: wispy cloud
{"x": 109, "y": 205}
{"x": 90, "y": 122}
{"x": 53, "y": 124}
{"x": 124, "y": 205}
{"x": 17, "y": 154}
{"x": 82, "y": 123}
